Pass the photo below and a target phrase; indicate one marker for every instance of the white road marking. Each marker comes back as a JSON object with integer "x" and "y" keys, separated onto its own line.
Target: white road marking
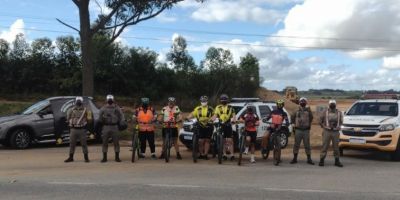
{"x": 70, "y": 183}
{"x": 300, "y": 190}
{"x": 174, "y": 186}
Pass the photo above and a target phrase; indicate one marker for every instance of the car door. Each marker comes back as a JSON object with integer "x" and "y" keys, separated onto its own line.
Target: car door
{"x": 43, "y": 123}
{"x": 264, "y": 111}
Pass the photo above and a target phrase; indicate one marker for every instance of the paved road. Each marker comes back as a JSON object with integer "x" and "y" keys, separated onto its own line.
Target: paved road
{"x": 40, "y": 174}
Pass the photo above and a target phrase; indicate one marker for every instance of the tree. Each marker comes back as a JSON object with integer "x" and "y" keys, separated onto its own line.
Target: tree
{"x": 123, "y": 13}
{"x": 4, "y": 49}
{"x": 20, "y": 48}
{"x": 179, "y": 56}
{"x": 249, "y": 74}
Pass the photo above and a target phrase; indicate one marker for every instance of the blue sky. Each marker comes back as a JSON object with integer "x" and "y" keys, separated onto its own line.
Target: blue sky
{"x": 342, "y": 44}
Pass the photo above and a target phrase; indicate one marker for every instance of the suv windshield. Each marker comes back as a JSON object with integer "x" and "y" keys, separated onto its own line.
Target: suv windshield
{"x": 374, "y": 108}
{"x": 36, "y": 107}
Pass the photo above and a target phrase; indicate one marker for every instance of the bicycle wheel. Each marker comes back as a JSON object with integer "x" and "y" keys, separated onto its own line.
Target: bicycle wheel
{"x": 167, "y": 146}
{"x": 134, "y": 146}
{"x": 241, "y": 148}
{"x": 277, "y": 150}
{"x": 213, "y": 146}
{"x": 195, "y": 147}
{"x": 220, "y": 144}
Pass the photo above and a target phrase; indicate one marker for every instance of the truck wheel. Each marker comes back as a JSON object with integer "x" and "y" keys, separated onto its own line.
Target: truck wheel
{"x": 395, "y": 156}
{"x": 284, "y": 140}
{"x": 20, "y": 139}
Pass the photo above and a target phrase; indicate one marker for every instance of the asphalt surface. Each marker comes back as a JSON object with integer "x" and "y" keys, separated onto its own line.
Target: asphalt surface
{"x": 40, "y": 173}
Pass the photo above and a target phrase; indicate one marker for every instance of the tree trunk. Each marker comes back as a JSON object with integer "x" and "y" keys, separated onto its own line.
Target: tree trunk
{"x": 86, "y": 49}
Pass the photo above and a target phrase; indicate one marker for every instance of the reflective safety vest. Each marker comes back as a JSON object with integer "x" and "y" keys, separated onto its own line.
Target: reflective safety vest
{"x": 332, "y": 119}
{"x": 224, "y": 113}
{"x": 145, "y": 119}
{"x": 203, "y": 114}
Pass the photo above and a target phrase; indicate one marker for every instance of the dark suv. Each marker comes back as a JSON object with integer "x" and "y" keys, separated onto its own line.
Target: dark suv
{"x": 43, "y": 122}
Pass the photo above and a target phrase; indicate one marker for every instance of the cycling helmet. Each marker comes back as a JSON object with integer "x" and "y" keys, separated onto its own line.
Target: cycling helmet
{"x": 203, "y": 98}
{"x": 145, "y": 100}
{"x": 280, "y": 103}
{"x": 303, "y": 99}
{"x": 224, "y": 98}
{"x": 171, "y": 99}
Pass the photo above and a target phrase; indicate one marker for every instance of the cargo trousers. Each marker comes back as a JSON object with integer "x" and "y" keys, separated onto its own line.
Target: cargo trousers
{"x": 327, "y": 137}
{"x": 302, "y": 135}
{"x": 75, "y": 135}
{"x": 110, "y": 131}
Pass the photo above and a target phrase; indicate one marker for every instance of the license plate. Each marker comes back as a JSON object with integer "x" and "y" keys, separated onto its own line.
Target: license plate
{"x": 357, "y": 140}
{"x": 188, "y": 137}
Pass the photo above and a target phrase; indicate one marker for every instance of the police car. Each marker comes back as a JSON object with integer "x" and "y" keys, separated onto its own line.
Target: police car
{"x": 262, "y": 108}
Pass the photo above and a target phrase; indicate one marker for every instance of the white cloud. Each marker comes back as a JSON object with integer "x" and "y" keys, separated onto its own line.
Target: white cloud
{"x": 166, "y": 18}
{"x": 358, "y": 25}
{"x": 259, "y": 11}
{"x": 16, "y": 28}
{"x": 391, "y": 62}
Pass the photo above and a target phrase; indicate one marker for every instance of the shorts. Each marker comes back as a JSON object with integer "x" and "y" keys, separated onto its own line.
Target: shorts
{"x": 174, "y": 132}
{"x": 205, "y": 132}
{"x": 227, "y": 130}
{"x": 252, "y": 135}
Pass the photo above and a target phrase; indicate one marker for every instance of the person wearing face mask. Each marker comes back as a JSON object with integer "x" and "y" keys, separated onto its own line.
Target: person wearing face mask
{"x": 145, "y": 116}
{"x": 77, "y": 119}
{"x": 226, "y": 114}
{"x": 110, "y": 115}
{"x": 302, "y": 120}
{"x": 203, "y": 114}
{"x": 331, "y": 121}
{"x": 251, "y": 121}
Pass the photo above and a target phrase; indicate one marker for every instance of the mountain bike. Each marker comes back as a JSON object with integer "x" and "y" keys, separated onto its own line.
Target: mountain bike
{"x": 168, "y": 143}
{"x": 195, "y": 140}
{"x": 242, "y": 142}
{"x": 135, "y": 144}
{"x": 219, "y": 140}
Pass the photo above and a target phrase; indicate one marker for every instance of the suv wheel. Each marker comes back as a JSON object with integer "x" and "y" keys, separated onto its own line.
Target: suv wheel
{"x": 284, "y": 140}
{"x": 20, "y": 139}
{"x": 395, "y": 156}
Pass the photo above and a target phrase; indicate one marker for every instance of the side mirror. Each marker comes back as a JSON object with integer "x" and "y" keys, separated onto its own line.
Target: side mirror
{"x": 41, "y": 113}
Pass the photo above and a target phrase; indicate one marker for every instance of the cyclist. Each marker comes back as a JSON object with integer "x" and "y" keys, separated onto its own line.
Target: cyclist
{"x": 226, "y": 115}
{"x": 203, "y": 114}
{"x": 278, "y": 116}
{"x": 251, "y": 121}
{"x": 145, "y": 115}
{"x": 170, "y": 115}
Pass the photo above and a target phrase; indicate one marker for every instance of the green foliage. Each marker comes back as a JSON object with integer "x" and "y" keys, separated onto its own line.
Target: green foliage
{"x": 43, "y": 68}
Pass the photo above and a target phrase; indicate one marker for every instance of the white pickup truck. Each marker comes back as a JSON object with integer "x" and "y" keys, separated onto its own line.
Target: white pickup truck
{"x": 372, "y": 124}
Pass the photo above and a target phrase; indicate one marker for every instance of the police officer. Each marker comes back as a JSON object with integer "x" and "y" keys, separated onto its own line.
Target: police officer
{"x": 77, "y": 119}
{"x": 302, "y": 120}
{"x": 331, "y": 121}
{"x": 110, "y": 116}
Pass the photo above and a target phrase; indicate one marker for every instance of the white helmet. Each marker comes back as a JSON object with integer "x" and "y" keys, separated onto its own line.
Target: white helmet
{"x": 79, "y": 99}
{"x": 332, "y": 101}
{"x": 110, "y": 97}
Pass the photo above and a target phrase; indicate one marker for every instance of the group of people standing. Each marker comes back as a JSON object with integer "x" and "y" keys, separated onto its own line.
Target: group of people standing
{"x": 146, "y": 116}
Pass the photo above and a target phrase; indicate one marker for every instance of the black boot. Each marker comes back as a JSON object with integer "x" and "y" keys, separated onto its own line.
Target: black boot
{"x": 104, "y": 158}
{"x": 70, "y": 158}
{"x": 86, "y": 156}
{"x": 338, "y": 163}
{"x": 321, "y": 162}
{"x": 294, "y": 161}
{"x": 309, "y": 160}
{"x": 117, "y": 157}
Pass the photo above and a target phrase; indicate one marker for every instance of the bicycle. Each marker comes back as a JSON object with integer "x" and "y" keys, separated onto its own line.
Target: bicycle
{"x": 219, "y": 140}
{"x": 242, "y": 143}
{"x": 274, "y": 144}
{"x": 135, "y": 144}
{"x": 168, "y": 143}
{"x": 195, "y": 144}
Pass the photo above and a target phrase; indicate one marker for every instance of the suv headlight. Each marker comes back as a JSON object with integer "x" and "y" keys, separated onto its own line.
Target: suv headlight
{"x": 387, "y": 127}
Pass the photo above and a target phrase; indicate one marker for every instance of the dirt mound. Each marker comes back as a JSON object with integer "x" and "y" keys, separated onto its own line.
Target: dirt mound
{"x": 267, "y": 95}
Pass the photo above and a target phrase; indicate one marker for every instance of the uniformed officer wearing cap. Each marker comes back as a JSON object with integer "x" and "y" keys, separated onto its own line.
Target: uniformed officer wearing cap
{"x": 302, "y": 120}
{"x": 110, "y": 115}
{"x": 77, "y": 119}
{"x": 331, "y": 121}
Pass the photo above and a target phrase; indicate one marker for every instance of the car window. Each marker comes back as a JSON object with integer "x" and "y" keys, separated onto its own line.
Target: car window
{"x": 36, "y": 107}
{"x": 237, "y": 109}
{"x": 264, "y": 111}
{"x": 374, "y": 108}
{"x": 67, "y": 105}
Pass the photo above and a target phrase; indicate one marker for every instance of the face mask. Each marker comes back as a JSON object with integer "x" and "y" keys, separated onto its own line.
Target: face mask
{"x": 224, "y": 102}
{"x": 110, "y": 102}
{"x": 78, "y": 103}
{"x": 332, "y": 106}
{"x": 303, "y": 104}
{"x": 204, "y": 103}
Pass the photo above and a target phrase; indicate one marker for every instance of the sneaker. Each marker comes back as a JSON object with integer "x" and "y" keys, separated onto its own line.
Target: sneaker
{"x": 246, "y": 151}
{"x": 141, "y": 155}
{"x": 252, "y": 160}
